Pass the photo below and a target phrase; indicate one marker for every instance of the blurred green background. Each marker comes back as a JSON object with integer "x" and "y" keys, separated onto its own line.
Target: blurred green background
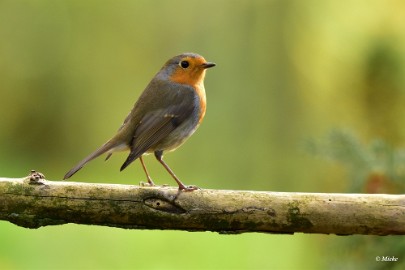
{"x": 287, "y": 71}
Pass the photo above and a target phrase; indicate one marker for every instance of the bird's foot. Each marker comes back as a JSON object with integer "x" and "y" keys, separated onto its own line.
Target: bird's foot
{"x": 188, "y": 188}
{"x": 146, "y": 184}
{"x": 150, "y": 183}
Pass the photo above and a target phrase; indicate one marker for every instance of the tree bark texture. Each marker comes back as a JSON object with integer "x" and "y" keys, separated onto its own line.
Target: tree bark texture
{"x": 33, "y": 202}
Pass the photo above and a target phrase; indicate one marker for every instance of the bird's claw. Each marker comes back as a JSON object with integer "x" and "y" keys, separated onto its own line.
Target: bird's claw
{"x": 146, "y": 184}
{"x": 188, "y": 188}
{"x": 149, "y": 184}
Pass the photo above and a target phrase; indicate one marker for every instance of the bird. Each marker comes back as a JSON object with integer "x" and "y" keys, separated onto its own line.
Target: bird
{"x": 166, "y": 114}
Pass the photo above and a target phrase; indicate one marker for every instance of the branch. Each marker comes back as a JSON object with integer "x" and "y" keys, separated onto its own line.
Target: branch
{"x": 33, "y": 202}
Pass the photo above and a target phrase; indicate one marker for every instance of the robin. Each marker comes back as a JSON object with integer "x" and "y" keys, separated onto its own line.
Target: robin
{"x": 168, "y": 112}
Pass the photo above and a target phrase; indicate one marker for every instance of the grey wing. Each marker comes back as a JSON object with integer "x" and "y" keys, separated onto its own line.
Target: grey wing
{"x": 158, "y": 124}
{"x": 123, "y": 124}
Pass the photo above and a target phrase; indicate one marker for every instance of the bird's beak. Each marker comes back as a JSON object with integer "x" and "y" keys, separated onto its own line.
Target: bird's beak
{"x": 208, "y": 65}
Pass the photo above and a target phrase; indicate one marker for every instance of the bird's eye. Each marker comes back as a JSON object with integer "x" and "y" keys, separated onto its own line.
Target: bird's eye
{"x": 184, "y": 64}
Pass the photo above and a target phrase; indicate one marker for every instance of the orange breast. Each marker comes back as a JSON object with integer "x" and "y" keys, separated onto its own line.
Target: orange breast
{"x": 194, "y": 78}
{"x": 203, "y": 101}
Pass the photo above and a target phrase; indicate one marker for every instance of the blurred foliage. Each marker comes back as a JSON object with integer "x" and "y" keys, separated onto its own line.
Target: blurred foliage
{"x": 373, "y": 168}
{"x": 360, "y": 252}
{"x": 286, "y": 70}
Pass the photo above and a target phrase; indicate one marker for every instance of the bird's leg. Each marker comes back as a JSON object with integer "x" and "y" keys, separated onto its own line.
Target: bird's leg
{"x": 159, "y": 157}
{"x": 151, "y": 183}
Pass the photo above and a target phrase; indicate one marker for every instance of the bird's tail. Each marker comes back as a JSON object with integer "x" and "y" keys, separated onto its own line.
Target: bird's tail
{"x": 132, "y": 156}
{"x": 110, "y": 145}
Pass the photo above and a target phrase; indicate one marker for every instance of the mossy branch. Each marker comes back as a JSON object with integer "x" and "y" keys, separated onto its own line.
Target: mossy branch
{"x": 33, "y": 202}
